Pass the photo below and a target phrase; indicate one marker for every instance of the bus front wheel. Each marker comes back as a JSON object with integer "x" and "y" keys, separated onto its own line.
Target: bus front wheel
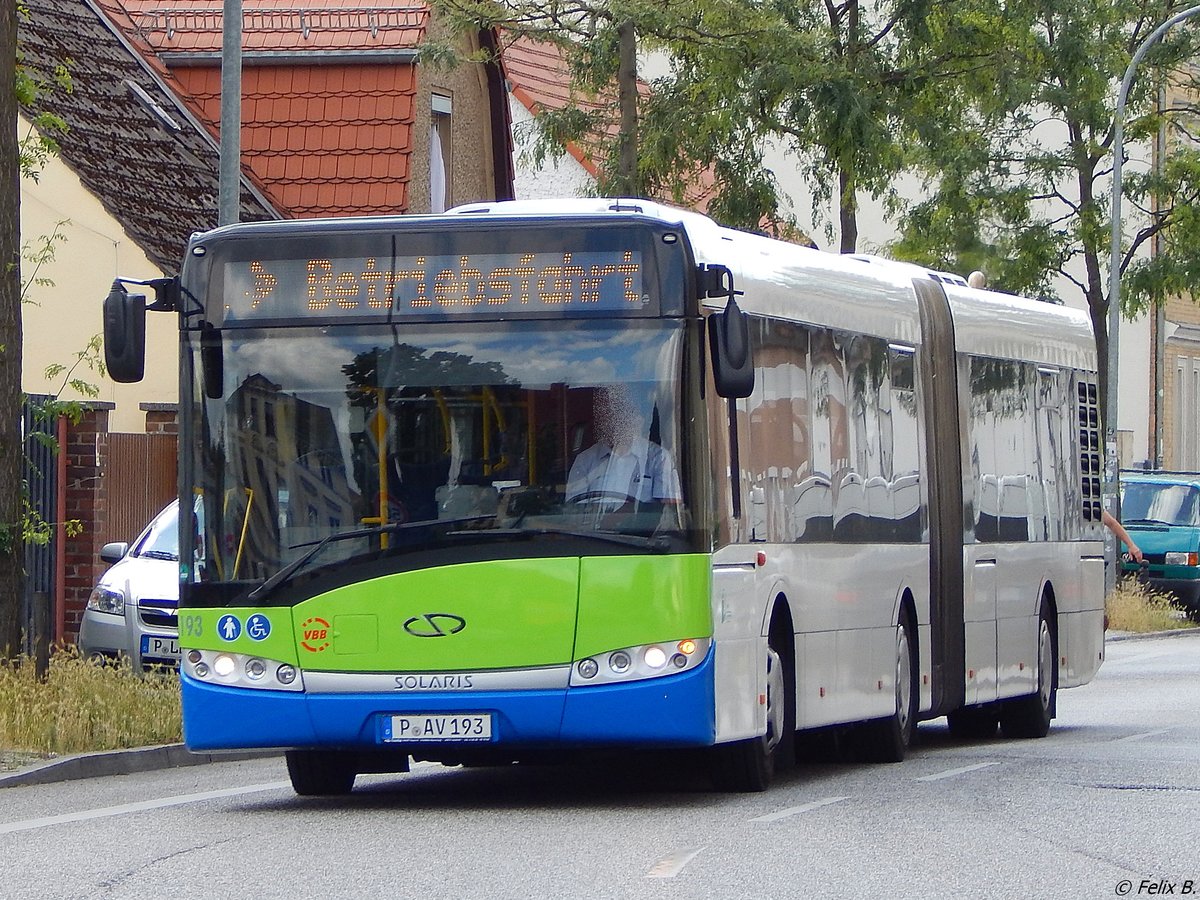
{"x": 750, "y": 765}
{"x": 320, "y": 773}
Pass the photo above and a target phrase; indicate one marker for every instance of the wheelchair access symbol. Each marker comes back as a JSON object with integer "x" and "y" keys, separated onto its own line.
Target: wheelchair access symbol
{"x": 258, "y": 627}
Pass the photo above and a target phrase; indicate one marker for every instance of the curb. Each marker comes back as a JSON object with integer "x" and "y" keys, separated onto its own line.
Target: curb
{"x": 1146, "y": 635}
{"x": 121, "y": 762}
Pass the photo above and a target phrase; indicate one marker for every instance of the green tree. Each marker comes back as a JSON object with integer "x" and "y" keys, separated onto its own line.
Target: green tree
{"x": 18, "y": 157}
{"x": 1030, "y": 203}
{"x": 853, "y": 88}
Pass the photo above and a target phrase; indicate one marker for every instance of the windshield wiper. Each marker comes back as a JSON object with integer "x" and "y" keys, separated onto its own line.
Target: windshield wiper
{"x": 159, "y": 554}
{"x": 289, "y": 570}
{"x": 1146, "y": 522}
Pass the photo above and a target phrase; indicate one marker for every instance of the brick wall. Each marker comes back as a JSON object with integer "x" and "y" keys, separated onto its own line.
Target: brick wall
{"x": 161, "y": 418}
{"x": 87, "y": 501}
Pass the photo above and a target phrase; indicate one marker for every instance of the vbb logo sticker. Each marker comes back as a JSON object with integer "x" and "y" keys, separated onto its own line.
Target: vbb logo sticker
{"x": 314, "y": 633}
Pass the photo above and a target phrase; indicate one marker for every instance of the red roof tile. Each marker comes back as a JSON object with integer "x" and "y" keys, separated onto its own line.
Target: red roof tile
{"x": 195, "y": 26}
{"x": 319, "y": 139}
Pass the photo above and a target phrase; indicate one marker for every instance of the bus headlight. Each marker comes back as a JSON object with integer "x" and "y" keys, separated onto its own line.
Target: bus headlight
{"x": 1179, "y": 558}
{"x": 655, "y": 657}
{"x": 644, "y": 661}
{"x": 587, "y": 668}
{"x": 240, "y": 670}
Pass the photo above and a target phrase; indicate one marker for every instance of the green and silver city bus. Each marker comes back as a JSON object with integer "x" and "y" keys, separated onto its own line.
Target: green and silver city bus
{"x": 863, "y": 494}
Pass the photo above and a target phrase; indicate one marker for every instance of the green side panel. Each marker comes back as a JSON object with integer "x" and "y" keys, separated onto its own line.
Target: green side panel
{"x": 625, "y": 601}
{"x": 198, "y": 631}
{"x": 487, "y": 615}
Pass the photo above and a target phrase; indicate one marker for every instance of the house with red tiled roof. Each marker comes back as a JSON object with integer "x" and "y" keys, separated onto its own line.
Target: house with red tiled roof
{"x": 539, "y": 80}
{"x": 338, "y": 118}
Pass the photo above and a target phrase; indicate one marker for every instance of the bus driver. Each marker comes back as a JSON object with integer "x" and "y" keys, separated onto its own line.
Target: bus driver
{"x": 622, "y": 464}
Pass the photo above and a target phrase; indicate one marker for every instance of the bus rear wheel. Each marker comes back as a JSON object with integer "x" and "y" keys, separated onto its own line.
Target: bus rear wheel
{"x": 1029, "y": 716}
{"x": 320, "y": 773}
{"x": 747, "y": 766}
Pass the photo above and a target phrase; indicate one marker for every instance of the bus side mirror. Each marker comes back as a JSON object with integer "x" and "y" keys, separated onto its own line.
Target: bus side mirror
{"x": 733, "y": 363}
{"x": 124, "y": 334}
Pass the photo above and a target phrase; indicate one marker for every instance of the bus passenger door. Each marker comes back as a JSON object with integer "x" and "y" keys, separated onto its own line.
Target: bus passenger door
{"x": 980, "y": 615}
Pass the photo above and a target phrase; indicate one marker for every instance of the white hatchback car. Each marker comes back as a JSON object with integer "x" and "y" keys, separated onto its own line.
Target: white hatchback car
{"x": 133, "y": 610}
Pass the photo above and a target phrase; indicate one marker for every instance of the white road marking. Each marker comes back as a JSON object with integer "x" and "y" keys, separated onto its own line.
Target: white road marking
{"x": 106, "y": 811}
{"x": 796, "y": 810}
{"x": 950, "y": 773}
{"x": 1142, "y": 736}
{"x": 672, "y": 865}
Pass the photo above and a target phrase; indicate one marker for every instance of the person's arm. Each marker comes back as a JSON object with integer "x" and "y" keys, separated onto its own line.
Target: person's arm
{"x": 1119, "y": 530}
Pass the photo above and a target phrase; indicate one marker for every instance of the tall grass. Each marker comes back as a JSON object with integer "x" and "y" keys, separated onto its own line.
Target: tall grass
{"x": 82, "y": 706}
{"x": 1135, "y": 606}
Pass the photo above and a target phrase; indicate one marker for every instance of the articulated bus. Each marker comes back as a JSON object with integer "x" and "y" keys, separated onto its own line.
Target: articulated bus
{"x": 526, "y": 480}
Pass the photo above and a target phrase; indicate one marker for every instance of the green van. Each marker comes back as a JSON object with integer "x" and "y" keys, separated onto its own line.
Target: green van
{"x": 1161, "y": 512}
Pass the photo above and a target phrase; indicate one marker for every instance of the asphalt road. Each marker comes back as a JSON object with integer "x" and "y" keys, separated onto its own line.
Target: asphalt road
{"x": 1107, "y": 804}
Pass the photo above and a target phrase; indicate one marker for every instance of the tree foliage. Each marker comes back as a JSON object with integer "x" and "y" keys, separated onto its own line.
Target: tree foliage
{"x": 20, "y": 157}
{"x": 1000, "y": 111}
{"x": 1031, "y": 204}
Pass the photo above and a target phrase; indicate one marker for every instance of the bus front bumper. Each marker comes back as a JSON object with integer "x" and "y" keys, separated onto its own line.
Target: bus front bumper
{"x": 672, "y": 711}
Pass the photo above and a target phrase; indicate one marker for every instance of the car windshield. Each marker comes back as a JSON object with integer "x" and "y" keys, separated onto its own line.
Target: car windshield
{"x": 1170, "y": 504}
{"x": 366, "y": 442}
{"x": 161, "y": 540}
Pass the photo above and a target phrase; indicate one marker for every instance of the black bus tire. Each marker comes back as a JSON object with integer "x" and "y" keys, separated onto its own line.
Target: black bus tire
{"x": 1029, "y": 716}
{"x": 320, "y": 773}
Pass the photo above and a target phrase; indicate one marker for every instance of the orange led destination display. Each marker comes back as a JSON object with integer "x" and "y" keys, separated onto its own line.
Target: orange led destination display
{"x": 453, "y": 285}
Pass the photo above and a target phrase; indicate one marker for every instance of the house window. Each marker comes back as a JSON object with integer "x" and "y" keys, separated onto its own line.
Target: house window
{"x": 440, "y": 154}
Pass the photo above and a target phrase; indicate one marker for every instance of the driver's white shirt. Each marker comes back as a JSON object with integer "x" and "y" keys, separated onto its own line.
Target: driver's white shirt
{"x": 644, "y": 472}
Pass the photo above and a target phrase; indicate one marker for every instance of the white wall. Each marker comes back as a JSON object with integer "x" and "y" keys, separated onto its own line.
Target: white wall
{"x": 62, "y": 318}
{"x": 562, "y": 176}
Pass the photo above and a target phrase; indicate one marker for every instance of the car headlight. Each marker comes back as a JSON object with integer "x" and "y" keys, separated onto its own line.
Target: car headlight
{"x": 1177, "y": 558}
{"x": 107, "y": 601}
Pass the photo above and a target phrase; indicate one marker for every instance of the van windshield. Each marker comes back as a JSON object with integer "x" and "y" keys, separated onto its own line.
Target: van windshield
{"x": 1169, "y": 504}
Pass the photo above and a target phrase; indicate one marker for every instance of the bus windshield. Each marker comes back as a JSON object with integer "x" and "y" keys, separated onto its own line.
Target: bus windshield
{"x": 378, "y": 443}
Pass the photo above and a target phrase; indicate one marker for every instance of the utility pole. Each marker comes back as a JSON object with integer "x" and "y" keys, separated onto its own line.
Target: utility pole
{"x": 229, "y": 194}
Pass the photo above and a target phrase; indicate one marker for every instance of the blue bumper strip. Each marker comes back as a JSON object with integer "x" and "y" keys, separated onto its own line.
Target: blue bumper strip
{"x": 676, "y": 710}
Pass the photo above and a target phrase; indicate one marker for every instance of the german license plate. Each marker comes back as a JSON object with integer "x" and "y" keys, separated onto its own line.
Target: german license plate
{"x": 457, "y": 727}
{"x": 157, "y": 647}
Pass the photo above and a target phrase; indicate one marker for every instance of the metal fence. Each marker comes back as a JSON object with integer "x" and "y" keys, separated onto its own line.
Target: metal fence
{"x": 41, "y": 486}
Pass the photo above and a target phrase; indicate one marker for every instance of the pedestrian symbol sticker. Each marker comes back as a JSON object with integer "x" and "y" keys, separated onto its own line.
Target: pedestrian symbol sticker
{"x": 258, "y": 627}
{"x": 229, "y": 627}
